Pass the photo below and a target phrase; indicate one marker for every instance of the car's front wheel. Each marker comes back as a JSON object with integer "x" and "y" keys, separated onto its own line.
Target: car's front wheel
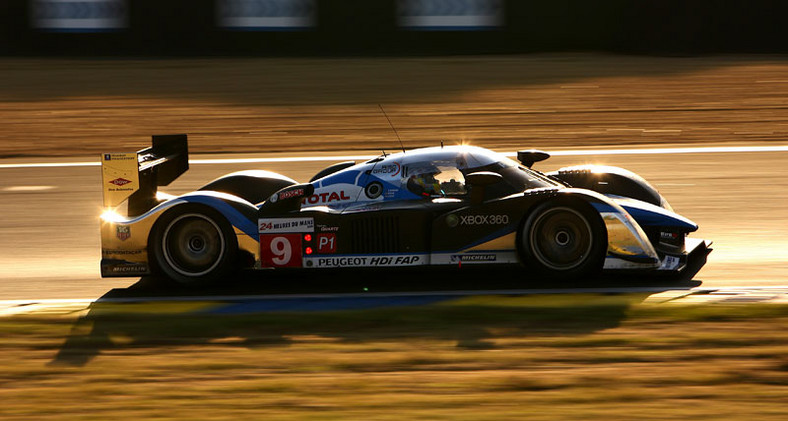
{"x": 193, "y": 245}
{"x": 564, "y": 239}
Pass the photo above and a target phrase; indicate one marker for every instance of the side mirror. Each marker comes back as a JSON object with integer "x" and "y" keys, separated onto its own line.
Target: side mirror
{"x": 529, "y": 157}
{"x": 478, "y": 182}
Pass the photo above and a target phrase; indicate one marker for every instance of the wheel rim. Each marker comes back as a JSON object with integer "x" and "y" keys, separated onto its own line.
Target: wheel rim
{"x": 193, "y": 245}
{"x": 561, "y": 239}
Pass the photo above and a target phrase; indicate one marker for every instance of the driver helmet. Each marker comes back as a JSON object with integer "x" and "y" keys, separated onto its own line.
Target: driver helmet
{"x": 423, "y": 180}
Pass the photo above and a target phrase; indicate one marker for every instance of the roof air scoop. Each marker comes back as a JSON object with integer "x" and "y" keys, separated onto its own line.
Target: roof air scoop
{"x": 529, "y": 157}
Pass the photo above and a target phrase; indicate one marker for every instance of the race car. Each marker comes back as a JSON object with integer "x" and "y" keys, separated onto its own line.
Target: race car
{"x": 450, "y": 206}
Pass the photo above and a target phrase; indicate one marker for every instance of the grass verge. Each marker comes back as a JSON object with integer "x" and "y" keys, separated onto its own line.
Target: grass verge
{"x": 551, "y": 358}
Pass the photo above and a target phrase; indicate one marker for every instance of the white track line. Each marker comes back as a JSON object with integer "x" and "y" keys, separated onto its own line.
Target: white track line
{"x": 51, "y": 165}
{"x": 463, "y": 293}
{"x": 582, "y": 152}
{"x": 671, "y": 151}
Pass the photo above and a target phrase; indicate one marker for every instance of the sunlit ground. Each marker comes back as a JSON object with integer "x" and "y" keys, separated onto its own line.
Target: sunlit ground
{"x": 550, "y": 358}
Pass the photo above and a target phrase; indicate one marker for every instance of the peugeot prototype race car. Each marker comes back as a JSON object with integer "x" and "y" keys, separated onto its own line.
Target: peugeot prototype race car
{"x": 454, "y": 205}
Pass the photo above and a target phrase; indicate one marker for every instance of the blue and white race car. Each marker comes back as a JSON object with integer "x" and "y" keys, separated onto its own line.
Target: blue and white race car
{"x": 451, "y": 206}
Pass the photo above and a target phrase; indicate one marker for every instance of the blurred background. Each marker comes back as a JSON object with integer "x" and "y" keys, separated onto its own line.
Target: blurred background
{"x": 284, "y": 75}
{"x": 319, "y": 27}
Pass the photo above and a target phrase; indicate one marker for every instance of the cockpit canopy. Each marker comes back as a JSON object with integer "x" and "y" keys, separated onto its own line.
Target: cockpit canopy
{"x": 441, "y": 171}
{"x": 424, "y": 173}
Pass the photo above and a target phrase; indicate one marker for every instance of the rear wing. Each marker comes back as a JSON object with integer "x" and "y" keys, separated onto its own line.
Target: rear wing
{"x": 136, "y": 176}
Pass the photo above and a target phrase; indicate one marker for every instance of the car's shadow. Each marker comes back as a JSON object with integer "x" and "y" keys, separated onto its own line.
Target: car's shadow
{"x": 468, "y": 327}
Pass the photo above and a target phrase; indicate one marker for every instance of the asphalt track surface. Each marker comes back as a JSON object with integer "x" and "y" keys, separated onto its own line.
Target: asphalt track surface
{"x": 63, "y": 110}
{"x": 50, "y": 243}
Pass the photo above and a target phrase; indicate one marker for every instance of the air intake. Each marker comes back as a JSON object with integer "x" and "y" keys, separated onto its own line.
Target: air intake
{"x": 376, "y": 235}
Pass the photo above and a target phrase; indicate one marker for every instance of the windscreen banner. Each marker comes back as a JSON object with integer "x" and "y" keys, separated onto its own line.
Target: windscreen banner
{"x": 450, "y": 15}
{"x": 79, "y": 15}
{"x": 266, "y": 15}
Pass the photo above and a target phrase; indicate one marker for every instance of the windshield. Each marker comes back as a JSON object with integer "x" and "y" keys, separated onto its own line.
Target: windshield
{"x": 441, "y": 172}
{"x": 435, "y": 178}
{"x": 516, "y": 177}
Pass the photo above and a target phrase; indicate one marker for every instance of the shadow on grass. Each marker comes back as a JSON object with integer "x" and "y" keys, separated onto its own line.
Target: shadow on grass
{"x": 171, "y": 318}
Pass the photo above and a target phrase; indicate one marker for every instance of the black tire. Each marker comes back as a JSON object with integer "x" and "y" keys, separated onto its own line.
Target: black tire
{"x": 193, "y": 245}
{"x": 564, "y": 240}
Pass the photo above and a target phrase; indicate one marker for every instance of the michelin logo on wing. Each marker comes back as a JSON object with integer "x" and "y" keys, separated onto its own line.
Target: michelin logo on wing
{"x": 285, "y": 225}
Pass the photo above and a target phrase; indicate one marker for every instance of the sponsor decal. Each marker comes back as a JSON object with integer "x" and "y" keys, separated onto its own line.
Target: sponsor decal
{"x": 120, "y": 177}
{"x": 327, "y": 197}
{"x": 287, "y": 225}
{"x": 274, "y": 198}
{"x": 117, "y": 267}
{"x": 291, "y": 193}
{"x": 120, "y": 181}
{"x": 455, "y": 258}
{"x": 123, "y": 232}
{"x": 452, "y": 220}
{"x": 368, "y": 261}
{"x": 280, "y": 250}
{"x": 670, "y": 263}
{"x": 391, "y": 193}
{"x": 129, "y": 268}
{"x": 327, "y": 228}
{"x": 107, "y": 252}
{"x": 120, "y": 156}
{"x": 484, "y": 219}
{"x": 391, "y": 170}
{"x": 326, "y": 243}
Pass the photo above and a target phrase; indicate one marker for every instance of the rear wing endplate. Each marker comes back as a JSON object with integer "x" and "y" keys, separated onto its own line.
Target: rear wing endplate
{"x": 136, "y": 175}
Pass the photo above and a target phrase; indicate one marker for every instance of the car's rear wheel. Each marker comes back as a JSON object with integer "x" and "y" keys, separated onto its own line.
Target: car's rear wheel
{"x": 564, "y": 240}
{"x": 194, "y": 245}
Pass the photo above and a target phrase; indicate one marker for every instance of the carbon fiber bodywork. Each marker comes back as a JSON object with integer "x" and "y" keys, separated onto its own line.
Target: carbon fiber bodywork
{"x": 380, "y": 214}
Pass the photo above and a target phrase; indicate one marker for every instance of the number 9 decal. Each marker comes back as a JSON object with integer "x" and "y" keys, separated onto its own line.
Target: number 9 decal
{"x": 280, "y": 250}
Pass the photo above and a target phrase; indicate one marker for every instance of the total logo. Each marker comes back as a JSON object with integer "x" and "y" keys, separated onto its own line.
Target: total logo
{"x": 327, "y": 197}
{"x": 484, "y": 219}
{"x": 120, "y": 181}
